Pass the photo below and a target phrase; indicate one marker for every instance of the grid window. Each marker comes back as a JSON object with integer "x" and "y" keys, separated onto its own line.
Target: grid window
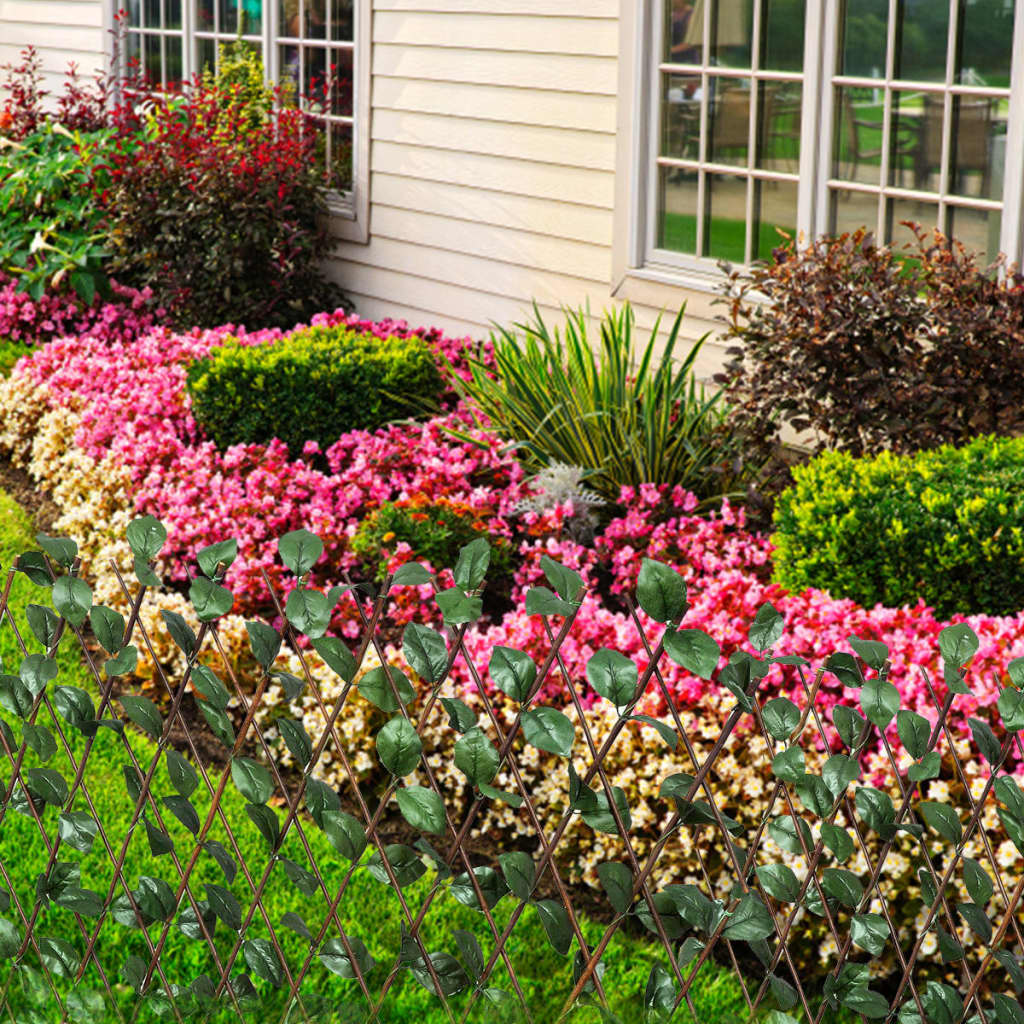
{"x": 307, "y": 48}
{"x": 808, "y": 117}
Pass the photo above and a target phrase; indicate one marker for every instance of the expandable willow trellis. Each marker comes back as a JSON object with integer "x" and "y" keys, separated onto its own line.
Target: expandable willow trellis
{"x": 55, "y": 932}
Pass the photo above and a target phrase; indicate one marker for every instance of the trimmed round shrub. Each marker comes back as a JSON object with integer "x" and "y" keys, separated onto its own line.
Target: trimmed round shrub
{"x": 945, "y": 525}
{"x": 313, "y": 385}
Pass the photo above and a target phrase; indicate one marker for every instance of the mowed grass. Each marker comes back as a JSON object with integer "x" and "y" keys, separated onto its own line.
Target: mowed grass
{"x": 368, "y": 910}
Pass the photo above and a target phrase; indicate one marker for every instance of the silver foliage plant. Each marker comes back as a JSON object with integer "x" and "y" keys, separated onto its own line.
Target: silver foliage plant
{"x": 558, "y": 484}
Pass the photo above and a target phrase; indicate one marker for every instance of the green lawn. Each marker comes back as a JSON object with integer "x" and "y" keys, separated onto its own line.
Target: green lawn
{"x": 368, "y": 911}
{"x": 724, "y": 238}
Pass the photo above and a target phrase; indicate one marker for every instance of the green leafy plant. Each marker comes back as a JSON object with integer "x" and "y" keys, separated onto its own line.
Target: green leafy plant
{"x": 864, "y": 348}
{"x": 627, "y": 417}
{"x": 945, "y": 525}
{"x": 312, "y": 385}
{"x": 435, "y": 530}
{"x": 51, "y": 225}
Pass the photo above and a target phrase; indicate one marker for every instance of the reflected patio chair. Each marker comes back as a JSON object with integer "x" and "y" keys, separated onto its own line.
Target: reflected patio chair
{"x": 972, "y": 129}
{"x": 858, "y": 151}
{"x": 730, "y": 122}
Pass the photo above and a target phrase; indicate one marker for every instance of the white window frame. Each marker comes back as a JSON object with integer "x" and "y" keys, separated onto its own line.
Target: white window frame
{"x": 640, "y": 268}
{"x": 349, "y": 210}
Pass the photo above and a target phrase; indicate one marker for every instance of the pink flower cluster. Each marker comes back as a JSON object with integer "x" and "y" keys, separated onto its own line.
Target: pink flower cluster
{"x": 55, "y": 315}
{"x": 134, "y": 406}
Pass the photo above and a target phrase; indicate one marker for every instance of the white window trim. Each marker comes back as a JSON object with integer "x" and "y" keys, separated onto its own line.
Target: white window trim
{"x": 349, "y": 212}
{"x": 638, "y": 269}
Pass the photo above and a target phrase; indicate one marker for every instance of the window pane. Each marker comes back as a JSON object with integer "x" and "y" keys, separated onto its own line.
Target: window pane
{"x": 172, "y": 13}
{"x": 677, "y": 210}
{"x": 978, "y": 148}
{"x": 782, "y": 46}
{"x": 134, "y": 12}
{"x": 863, "y": 38}
{"x": 290, "y": 73}
{"x": 341, "y": 83}
{"x": 151, "y": 13}
{"x": 288, "y": 18}
{"x": 205, "y": 14}
{"x": 173, "y": 66}
{"x": 251, "y": 13}
{"x": 684, "y": 31}
{"x": 680, "y": 116}
{"x": 779, "y": 127}
{"x": 207, "y": 55}
{"x": 725, "y": 229}
{"x": 915, "y": 153}
{"x": 922, "y": 37}
{"x": 153, "y": 65}
{"x": 731, "y": 30}
{"x": 338, "y": 140}
{"x": 342, "y": 20}
{"x": 978, "y": 230}
{"x": 133, "y": 51}
{"x": 852, "y": 210}
{"x": 774, "y": 209}
{"x": 857, "y": 136}
{"x": 229, "y": 16}
{"x": 316, "y": 86}
{"x": 729, "y": 122}
{"x": 986, "y": 32}
{"x": 899, "y": 212}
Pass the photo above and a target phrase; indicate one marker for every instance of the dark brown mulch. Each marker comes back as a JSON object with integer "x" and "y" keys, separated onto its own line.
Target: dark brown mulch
{"x": 36, "y": 503}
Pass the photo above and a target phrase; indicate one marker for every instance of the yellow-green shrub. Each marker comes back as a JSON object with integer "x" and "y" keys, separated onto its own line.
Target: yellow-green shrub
{"x": 946, "y": 525}
{"x": 313, "y": 385}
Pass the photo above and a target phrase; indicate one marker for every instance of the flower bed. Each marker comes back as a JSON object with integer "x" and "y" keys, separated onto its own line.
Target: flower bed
{"x": 104, "y": 425}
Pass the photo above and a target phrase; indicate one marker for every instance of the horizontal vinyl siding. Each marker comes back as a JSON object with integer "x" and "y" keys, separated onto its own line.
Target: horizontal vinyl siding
{"x": 493, "y": 167}
{"x": 62, "y": 31}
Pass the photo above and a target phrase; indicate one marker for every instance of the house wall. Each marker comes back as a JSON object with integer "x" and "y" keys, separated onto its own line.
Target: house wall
{"x": 60, "y": 30}
{"x": 494, "y": 128}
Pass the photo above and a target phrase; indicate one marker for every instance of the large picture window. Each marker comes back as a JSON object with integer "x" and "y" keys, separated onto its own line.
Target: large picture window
{"x": 820, "y": 116}
{"x": 308, "y": 49}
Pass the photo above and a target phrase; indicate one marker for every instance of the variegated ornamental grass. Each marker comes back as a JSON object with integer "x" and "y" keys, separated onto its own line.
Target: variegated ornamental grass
{"x": 438, "y": 763}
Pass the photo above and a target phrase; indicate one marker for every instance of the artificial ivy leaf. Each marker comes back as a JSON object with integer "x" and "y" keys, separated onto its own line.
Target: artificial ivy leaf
{"x": 345, "y": 834}
{"x": 556, "y": 925}
{"x": 406, "y": 866}
{"x": 567, "y": 583}
{"x": 144, "y": 713}
{"x": 784, "y": 831}
{"x": 460, "y": 715}
{"x": 36, "y": 671}
{"x": 182, "y": 775}
{"x": 663, "y": 729}
{"x": 40, "y": 739}
{"x": 156, "y": 899}
{"x": 210, "y": 557}
{"x": 958, "y": 644}
{"x": 814, "y": 794}
{"x": 180, "y": 807}
{"x": 845, "y": 668}
{"x": 224, "y": 905}
{"x": 617, "y": 882}
{"x": 766, "y": 629}
{"x": 457, "y": 608}
{"x": 876, "y": 808}
{"x": 977, "y": 881}
{"x": 541, "y": 601}
{"x": 472, "y": 563}
{"x": 411, "y": 574}
{"x": 880, "y": 701}
{"x": 613, "y": 676}
{"x": 943, "y": 819}
{"x": 661, "y": 591}
{"x": 209, "y": 599}
{"x": 108, "y": 627}
{"x": 308, "y": 611}
{"x": 977, "y": 920}
{"x": 492, "y": 887}
{"x": 602, "y": 819}
{"x": 422, "y": 808}
{"x": 837, "y": 840}
{"x": 303, "y": 880}
{"x": 14, "y": 696}
{"x": 985, "y": 740}
{"x": 873, "y": 653}
{"x": 262, "y": 960}
{"x": 321, "y": 798}
{"x": 266, "y": 822}
{"x": 849, "y": 724}
{"x": 520, "y": 873}
{"x": 336, "y": 656}
{"x": 789, "y": 764}
{"x": 838, "y": 772}
{"x": 224, "y": 860}
{"x": 160, "y": 842}
{"x": 842, "y": 885}
{"x": 146, "y": 537}
{"x": 337, "y": 960}
{"x": 48, "y": 785}
{"x": 251, "y": 779}
{"x": 781, "y": 716}
{"x": 929, "y": 768}
{"x": 513, "y": 672}
{"x": 779, "y": 882}
{"x": 693, "y": 650}
{"x": 77, "y": 829}
{"x": 1012, "y": 968}
{"x": 1011, "y": 708}
{"x": 296, "y": 739}
{"x": 124, "y": 663}
{"x": 476, "y": 757}
{"x": 750, "y": 921}
{"x": 448, "y": 971}
{"x": 44, "y": 623}
{"x": 914, "y": 732}
{"x": 950, "y": 949}
{"x": 550, "y": 730}
{"x": 472, "y": 954}
{"x": 219, "y": 723}
{"x": 870, "y": 932}
{"x": 300, "y": 550}
{"x": 398, "y": 747}
{"x": 209, "y": 685}
{"x": 61, "y": 549}
{"x": 1009, "y": 792}
{"x": 863, "y": 1000}
{"x": 181, "y": 633}
{"x": 425, "y": 651}
{"x": 72, "y": 597}
{"x": 380, "y": 692}
{"x": 264, "y": 642}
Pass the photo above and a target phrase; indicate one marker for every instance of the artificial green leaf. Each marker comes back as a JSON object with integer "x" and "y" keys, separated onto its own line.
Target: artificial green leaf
{"x": 44, "y": 623}
{"x": 224, "y": 905}
{"x": 492, "y": 886}
{"x": 181, "y": 632}
{"x": 864, "y": 1000}
{"x": 300, "y": 550}
{"x": 308, "y": 611}
{"x": 146, "y": 537}
{"x": 814, "y": 794}
{"x": 61, "y": 549}
{"x": 985, "y": 740}
{"x": 914, "y": 732}
{"x": 182, "y": 775}
{"x": 849, "y": 724}
{"x": 845, "y": 668}
{"x": 264, "y": 642}
{"x": 602, "y": 819}
{"x": 556, "y": 925}
{"x": 472, "y": 954}
{"x": 336, "y": 656}
{"x": 449, "y": 973}
{"x": 425, "y": 651}
{"x": 40, "y": 740}
{"x": 870, "y": 932}
{"x": 513, "y": 672}
{"x": 144, "y": 713}
{"x": 251, "y": 779}
{"x": 541, "y": 601}
{"x": 928, "y": 768}
{"x": 338, "y": 960}
{"x": 661, "y": 591}
{"x": 209, "y": 599}
{"x": 693, "y": 650}
{"x": 36, "y": 671}
{"x": 766, "y": 629}
{"x": 520, "y": 873}
{"x": 876, "y": 808}
{"x": 72, "y": 597}
{"x": 784, "y": 832}
{"x": 943, "y": 819}
{"x": 461, "y": 716}
{"x": 124, "y": 663}
{"x": 224, "y": 860}
{"x": 406, "y": 866}
{"x": 411, "y": 574}
{"x": 567, "y": 583}
{"x": 779, "y": 882}
{"x": 399, "y": 747}
{"x": 958, "y": 644}
{"x": 262, "y": 960}
{"x": 422, "y": 808}
{"x": 781, "y": 716}
{"x": 788, "y": 765}
{"x": 750, "y": 921}
{"x": 977, "y": 881}
{"x": 210, "y": 686}
{"x": 1011, "y": 708}
{"x": 838, "y": 772}
{"x": 211, "y": 556}
{"x": 613, "y": 676}
{"x": 837, "y": 840}
{"x": 77, "y": 829}
{"x": 476, "y": 757}
{"x": 183, "y": 810}
{"x": 880, "y": 701}
{"x": 472, "y": 563}
{"x": 457, "y": 608}
{"x": 617, "y": 882}
{"x": 663, "y": 729}
{"x": 842, "y": 885}
{"x": 550, "y": 730}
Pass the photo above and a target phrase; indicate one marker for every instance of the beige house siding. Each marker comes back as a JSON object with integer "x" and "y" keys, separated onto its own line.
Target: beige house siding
{"x": 60, "y": 30}
{"x": 493, "y": 157}
{"x": 493, "y": 166}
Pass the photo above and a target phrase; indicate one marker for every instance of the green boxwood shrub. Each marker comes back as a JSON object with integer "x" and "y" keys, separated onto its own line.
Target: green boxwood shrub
{"x": 946, "y": 525}
{"x": 313, "y": 385}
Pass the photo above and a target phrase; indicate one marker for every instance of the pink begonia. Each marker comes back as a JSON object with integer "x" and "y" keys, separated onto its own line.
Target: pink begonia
{"x": 130, "y": 394}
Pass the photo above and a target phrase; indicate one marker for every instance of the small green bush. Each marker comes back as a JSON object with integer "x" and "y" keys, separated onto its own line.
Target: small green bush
{"x": 946, "y": 525}
{"x": 313, "y": 385}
